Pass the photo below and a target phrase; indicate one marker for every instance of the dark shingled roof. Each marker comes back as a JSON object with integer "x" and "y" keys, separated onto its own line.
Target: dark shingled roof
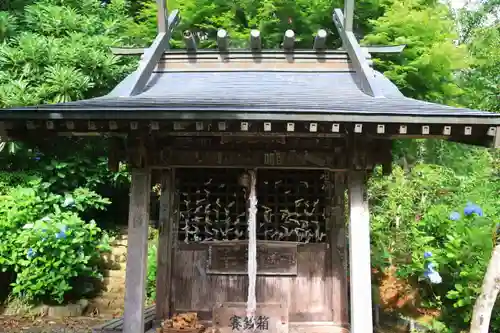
{"x": 304, "y": 92}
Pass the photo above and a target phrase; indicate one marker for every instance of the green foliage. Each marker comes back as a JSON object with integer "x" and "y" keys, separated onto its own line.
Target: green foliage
{"x": 50, "y": 247}
{"x": 62, "y": 51}
{"x": 152, "y": 269}
{"x": 271, "y": 17}
{"x": 482, "y": 79}
{"x": 425, "y": 69}
{"x": 411, "y": 214}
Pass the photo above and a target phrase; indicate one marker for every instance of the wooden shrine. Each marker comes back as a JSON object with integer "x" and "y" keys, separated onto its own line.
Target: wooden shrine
{"x": 255, "y": 150}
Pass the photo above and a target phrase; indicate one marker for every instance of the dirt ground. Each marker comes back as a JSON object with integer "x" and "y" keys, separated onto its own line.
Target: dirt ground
{"x": 14, "y": 324}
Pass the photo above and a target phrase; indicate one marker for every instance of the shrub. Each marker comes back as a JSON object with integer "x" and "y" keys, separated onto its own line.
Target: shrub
{"x": 429, "y": 223}
{"x": 152, "y": 265}
{"x": 50, "y": 247}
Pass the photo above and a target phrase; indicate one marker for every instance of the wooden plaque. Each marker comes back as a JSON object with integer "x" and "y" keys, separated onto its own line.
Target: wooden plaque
{"x": 272, "y": 259}
{"x": 231, "y": 317}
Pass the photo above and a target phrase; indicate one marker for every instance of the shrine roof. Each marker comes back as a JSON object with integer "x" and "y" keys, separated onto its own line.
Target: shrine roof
{"x": 329, "y": 92}
{"x": 329, "y": 95}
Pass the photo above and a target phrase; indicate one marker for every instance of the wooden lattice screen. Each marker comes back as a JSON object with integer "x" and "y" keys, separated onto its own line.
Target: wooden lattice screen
{"x": 212, "y": 205}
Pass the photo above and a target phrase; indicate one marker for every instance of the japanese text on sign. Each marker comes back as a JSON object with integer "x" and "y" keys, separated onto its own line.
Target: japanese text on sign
{"x": 238, "y": 323}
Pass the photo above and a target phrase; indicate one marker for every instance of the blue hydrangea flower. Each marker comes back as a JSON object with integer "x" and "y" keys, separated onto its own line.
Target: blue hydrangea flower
{"x": 30, "y": 253}
{"x": 62, "y": 232}
{"x": 454, "y": 216}
{"x": 471, "y": 208}
{"x": 431, "y": 274}
{"x": 427, "y": 254}
{"x": 433, "y": 277}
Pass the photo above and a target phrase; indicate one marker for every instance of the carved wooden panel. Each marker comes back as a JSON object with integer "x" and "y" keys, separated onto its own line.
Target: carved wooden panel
{"x": 232, "y": 318}
{"x": 272, "y": 259}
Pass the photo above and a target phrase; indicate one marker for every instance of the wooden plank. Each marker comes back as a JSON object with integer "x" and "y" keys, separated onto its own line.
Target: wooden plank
{"x": 359, "y": 255}
{"x": 117, "y": 324}
{"x": 305, "y": 293}
{"x": 231, "y": 317}
{"x": 250, "y": 159}
{"x": 317, "y": 327}
{"x": 165, "y": 246}
{"x": 135, "y": 278}
{"x": 274, "y": 57}
{"x": 272, "y": 259}
{"x": 244, "y": 53}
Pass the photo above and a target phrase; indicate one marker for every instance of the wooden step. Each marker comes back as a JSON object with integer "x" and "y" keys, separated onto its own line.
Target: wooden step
{"x": 116, "y": 325}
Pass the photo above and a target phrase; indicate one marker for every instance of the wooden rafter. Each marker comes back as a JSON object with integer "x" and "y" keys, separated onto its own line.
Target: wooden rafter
{"x": 358, "y": 57}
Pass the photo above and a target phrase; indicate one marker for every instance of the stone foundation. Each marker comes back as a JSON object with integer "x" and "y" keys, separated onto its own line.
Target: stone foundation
{"x": 111, "y": 300}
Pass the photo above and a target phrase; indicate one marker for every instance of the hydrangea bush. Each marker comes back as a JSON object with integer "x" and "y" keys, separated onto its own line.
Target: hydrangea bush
{"x": 437, "y": 229}
{"x": 50, "y": 248}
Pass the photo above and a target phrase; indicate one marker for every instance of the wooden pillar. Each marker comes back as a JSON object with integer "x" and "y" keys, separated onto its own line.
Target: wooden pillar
{"x": 165, "y": 246}
{"x": 359, "y": 255}
{"x": 252, "y": 243}
{"x": 337, "y": 245}
{"x": 137, "y": 252}
{"x": 348, "y": 14}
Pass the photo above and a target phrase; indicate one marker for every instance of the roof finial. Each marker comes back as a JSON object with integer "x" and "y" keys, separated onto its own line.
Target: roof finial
{"x": 348, "y": 14}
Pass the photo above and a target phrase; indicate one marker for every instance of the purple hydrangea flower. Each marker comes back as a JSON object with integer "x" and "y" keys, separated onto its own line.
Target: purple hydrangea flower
{"x": 454, "y": 216}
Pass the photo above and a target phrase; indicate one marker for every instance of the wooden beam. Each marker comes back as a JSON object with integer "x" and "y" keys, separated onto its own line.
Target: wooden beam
{"x": 222, "y": 40}
{"x": 162, "y": 14}
{"x": 358, "y": 58}
{"x": 137, "y": 251}
{"x": 320, "y": 40}
{"x": 496, "y": 142}
{"x": 135, "y": 83}
{"x": 165, "y": 246}
{"x": 189, "y": 40}
{"x": 348, "y": 14}
{"x": 337, "y": 241}
{"x": 359, "y": 255}
{"x": 289, "y": 40}
{"x": 255, "y": 42}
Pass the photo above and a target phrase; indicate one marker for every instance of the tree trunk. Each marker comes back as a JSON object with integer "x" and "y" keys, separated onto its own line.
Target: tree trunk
{"x": 481, "y": 314}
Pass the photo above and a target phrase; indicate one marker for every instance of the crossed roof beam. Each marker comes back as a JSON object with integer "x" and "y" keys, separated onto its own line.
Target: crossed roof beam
{"x": 360, "y": 56}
